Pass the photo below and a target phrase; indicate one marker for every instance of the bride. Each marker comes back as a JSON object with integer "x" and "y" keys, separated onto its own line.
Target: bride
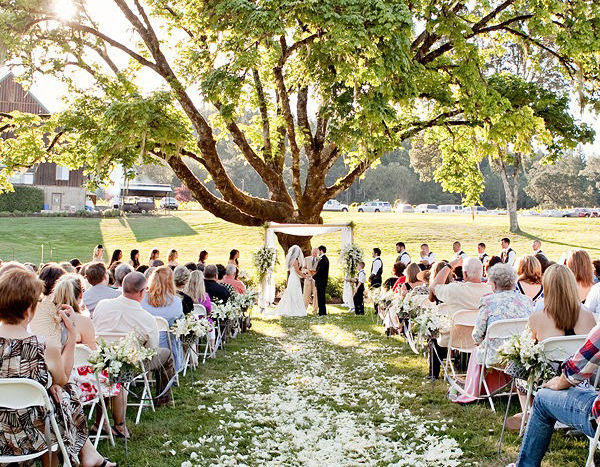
{"x": 292, "y": 302}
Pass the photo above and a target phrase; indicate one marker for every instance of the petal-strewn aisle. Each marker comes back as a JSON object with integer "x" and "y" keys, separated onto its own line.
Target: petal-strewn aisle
{"x": 314, "y": 392}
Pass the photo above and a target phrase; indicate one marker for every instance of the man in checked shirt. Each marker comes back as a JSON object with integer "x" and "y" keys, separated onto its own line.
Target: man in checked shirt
{"x": 562, "y": 400}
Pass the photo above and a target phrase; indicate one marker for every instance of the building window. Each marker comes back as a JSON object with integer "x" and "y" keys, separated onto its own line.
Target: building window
{"x": 62, "y": 173}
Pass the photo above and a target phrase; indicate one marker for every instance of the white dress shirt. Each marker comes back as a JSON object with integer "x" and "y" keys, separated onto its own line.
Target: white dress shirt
{"x": 403, "y": 258}
{"x": 428, "y": 259}
{"x": 511, "y": 257}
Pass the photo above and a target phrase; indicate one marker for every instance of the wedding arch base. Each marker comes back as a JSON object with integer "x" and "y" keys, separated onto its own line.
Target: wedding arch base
{"x": 266, "y": 292}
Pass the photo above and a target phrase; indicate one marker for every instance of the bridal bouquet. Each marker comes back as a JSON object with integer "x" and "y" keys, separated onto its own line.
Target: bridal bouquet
{"x": 246, "y": 300}
{"x": 524, "y": 357}
{"x": 191, "y": 327}
{"x": 350, "y": 255}
{"x": 429, "y": 323}
{"x": 122, "y": 359}
{"x": 265, "y": 260}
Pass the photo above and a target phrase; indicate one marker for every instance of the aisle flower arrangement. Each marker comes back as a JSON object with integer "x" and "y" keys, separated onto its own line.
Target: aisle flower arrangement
{"x": 265, "y": 260}
{"x": 350, "y": 255}
{"x": 429, "y": 323}
{"x": 122, "y": 359}
{"x": 524, "y": 357}
{"x": 226, "y": 311}
{"x": 245, "y": 301}
{"x": 191, "y": 327}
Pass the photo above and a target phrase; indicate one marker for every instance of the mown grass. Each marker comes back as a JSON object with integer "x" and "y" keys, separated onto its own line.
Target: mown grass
{"x": 251, "y": 356}
{"x": 192, "y": 231}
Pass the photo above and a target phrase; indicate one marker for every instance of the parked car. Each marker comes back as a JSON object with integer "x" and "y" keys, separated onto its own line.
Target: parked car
{"x": 424, "y": 208}
{"x": 577, "y": 212}
{"x": 169, "y": 203}
{"x": 529, "y": 213}
{"x": 552, "y": 213}
{"x": 449, "y": 208}
{"x": 375, "y": 206}
{"x": 134, "y": 204}
{"x": 335, "y": 205}
{"x": 475, "y": 210}
{"x": 400, "y": 208}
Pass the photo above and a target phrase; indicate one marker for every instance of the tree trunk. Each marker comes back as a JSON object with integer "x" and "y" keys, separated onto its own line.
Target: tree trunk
{"x": 511, "y": 190}
{"x": 286, "y": 241}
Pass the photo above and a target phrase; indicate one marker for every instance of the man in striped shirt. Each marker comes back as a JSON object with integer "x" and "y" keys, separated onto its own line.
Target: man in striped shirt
{"x": 563, "y": 399}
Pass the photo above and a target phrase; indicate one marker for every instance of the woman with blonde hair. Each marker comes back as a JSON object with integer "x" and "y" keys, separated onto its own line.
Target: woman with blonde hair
{"x": 529, "y": 282}
{"x": 154, "y": 256}
{"x": 195, "y": 289}
{"x": 98, "y": 254}
{"x": 172, "y": 258}
{"x": 162, "y": 301}
{"x": 580, "y": 263}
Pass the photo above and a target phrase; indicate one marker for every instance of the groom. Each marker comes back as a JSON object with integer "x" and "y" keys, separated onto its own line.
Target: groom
{"x": 321, "y": 277}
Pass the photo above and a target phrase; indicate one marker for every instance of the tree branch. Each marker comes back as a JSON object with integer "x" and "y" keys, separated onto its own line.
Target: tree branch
{"x": 264, "y": 115}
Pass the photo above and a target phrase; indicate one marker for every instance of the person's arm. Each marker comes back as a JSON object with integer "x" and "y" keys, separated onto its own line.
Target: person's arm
{"x": 55, "y": 364}
{"x": 481, "y": 324}
{"x": 376, "y": 267}
{"x": 68, "y": 350}
{"x": 441, "y": 276}
{"x": 86, "y": 331}
{"x": 297, "y": 269}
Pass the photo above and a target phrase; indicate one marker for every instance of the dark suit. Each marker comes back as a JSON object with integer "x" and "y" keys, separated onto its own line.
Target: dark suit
{"x": 216, "y": 291}
{"x": 321, "y": 277}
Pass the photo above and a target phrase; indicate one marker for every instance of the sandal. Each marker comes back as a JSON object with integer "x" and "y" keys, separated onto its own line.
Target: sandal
{"x": 93, "y": 431}
{"x": 105, "y": 463}
{"x": 118, "y": 433}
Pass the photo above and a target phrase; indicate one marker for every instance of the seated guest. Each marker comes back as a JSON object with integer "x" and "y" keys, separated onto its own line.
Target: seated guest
{"x": 46, "y": 321}
{"x": 563, "y": 400}
{"x": 75, "y": 263}
{"x": 412, "y": 280}
{"x": 24, "y": 355}
{"x": 592, "y": 302}
{"x": 125, "y": 314}
{"x": 562, "y": 315}
{"x": 504, "y": 303}
{"x": 142, "y": 268}
{"x": 395, "y": 282}
{"x": 191, "y": 266}
{"x": 220, "y": 272}
{"x": 68, "y": 267}
{"x": 423, "y": 288}
{"x": 172, "y": 258}
{"x": 195, "y": 289}
{"x": 490, "y": 263}
{"x": 230, "y": 272}
{"x": 97, "y": 276}
{"x": 120, "y": 272}
{"x": 580, "y": 263}
{"x": 162, "y": 301}
{"x": 217, "y": 292}
{"x": 530, "y": 277}
{"x": 148, "y": 272}
{"x": 181, "y": 276}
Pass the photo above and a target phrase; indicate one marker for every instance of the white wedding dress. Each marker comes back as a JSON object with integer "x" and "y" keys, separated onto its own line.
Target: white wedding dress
{"x": 292, "y": 301}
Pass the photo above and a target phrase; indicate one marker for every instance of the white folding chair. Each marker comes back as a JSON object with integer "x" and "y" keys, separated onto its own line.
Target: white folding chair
{"x": 146, "y": 396}
{"x": 82, "y": 355}
{"x": 461, "y": 340}
{"x": 503, "y": 329}
{"x": 22, "y": 393}
{"x": 200, "y": 312}
{"x": 556, "y": 349}
{"x": 593, "y": 447}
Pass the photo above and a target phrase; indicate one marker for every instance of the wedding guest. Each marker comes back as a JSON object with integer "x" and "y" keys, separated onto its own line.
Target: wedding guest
{"x": 148, "y": 272}
{"x": 181, "y": 276}
{"x": 423, "y": 288}
{"x": 172, "y": 258}
{"x": 195, "y": 288}
{"x": 217, "y": 292}
{"x": 375, "y": 279}
{"x": 504, "y": 303}
{"x": 32, "y": 267}
{"x": 134, "y": 259}
{"x": 412, "y": 280}
{"x": 142, "y": 268}
{"x": 46, "y": 320}
{"x": 481, "y": 254}
{"x": 229, "y": 279}
{"x": 97, "y": 276}
{"x": 68, "y": 267}
{"x": 202, "y": 258}
{"x": 562, "y": 315}
{"x": 220, "y": 272}
{"x": 395, "y": 282}
{"x": 580, "y": 263}
{"x": 234, "y": 257}
{"x": 98, "y": 255}
{"x": 403, "y": 256}
{"x": 536, "y": 245}
{"x": 154, "y": 256}
{"x": 458, "y": 253}
{"x": 529, "y": 270}
{"x": 592, "y": 302}
{"x": 508, "y": 255}
{"x": 191, "y": 266}
{"x": 427, "y": 257}
{"x": 120, "y": 272}
{"x": 157, "y": 263}
{"x": 115, "y": 258}
{"x": 75, "y": 263}
{"x": 111, "y": 274}
{"x": 24, "y": 355}
{"x": 125, "y": 314}
{"x": 490, "y": 263}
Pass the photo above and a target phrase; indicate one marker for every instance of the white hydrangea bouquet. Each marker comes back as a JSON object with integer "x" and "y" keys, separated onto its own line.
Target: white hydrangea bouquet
{"x": 350, "y": 255}
{"x": 191, "y": 327}
{"x": 122, "y": 359}
{"x": 265, "y": 260}
{"x": 226, "y": 311}
{"x": 411, "y": 306}
{"x": 525, "y": 358}
{"x": 246, "y": 300}
{"x": 429, "y": 323}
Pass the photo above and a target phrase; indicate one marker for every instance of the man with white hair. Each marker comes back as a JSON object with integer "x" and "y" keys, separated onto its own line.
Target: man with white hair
{"x": 461, "y": 295}
{"x": 230, "y": 272}
{"x": 120, "y": 272}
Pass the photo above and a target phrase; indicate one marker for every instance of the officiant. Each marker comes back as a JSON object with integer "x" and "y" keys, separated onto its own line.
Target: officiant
{"x": 310, "y": 290}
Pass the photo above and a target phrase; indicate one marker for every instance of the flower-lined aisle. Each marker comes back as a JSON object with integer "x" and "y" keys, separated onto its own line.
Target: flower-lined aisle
{"x": 301, "y": 399}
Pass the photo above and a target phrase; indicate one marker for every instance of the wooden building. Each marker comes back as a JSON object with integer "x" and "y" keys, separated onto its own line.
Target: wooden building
{"x": 63, "y": 188}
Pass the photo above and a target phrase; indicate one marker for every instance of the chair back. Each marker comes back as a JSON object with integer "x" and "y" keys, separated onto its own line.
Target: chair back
{"x": 82, "y": 355}
{"x": 21, "y": 393}
{"x": 461, "y": 334}
{"x": 506, "y": 328}
{"x": 199, "y": 310}
{"x": 560, "y": 348}
{"x": 110, "y": 337}
{"x": 163, "y": 324}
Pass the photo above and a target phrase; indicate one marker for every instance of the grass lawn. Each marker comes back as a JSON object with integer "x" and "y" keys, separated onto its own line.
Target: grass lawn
{"x": 192, "y": 231}
{"x": 327, "y": 391}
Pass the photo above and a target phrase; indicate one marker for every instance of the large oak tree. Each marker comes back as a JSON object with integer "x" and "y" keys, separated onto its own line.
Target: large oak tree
{"x": 316, "y": 80}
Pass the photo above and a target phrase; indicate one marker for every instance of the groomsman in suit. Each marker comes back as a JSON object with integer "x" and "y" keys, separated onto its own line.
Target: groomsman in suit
{"x": 310, "y": 290}
{"x": 321, "y": 278}
{"x": 403, "y": 256}
{"x": 376, "y": 269}
{"x": 483, "y": 256}
{"x": 427, "y": 257}
{"x": 508, "y": 255}
{"x": 537, "y": 250}
{"x": 458, "y": 253}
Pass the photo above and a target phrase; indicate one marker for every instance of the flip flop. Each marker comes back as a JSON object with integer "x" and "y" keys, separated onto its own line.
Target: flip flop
{"x": 118, "y": 433}
{"x": 105, "y": 463}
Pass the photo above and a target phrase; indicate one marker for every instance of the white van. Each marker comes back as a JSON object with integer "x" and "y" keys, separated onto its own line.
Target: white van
{"x": 424, "y": 208}
{"x": 450, "y": 208}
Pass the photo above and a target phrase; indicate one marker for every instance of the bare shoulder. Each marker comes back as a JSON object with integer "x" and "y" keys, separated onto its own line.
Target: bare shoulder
{"x": 587, "y": 320}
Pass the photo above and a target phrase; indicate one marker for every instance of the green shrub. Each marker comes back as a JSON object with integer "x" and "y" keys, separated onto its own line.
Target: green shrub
{"x": 23, "y": 199}
{"x": 334, "y": 292}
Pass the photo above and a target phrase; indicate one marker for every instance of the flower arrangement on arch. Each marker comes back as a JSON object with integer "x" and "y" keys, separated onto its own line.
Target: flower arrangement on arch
{"x": 350, "y": 255}
{"x": 265, "y": 259}
{"x": 122, "y": 359}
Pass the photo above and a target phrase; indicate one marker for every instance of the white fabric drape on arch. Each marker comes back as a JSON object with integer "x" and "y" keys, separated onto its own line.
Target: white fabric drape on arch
{"x": 266, "y": 290}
